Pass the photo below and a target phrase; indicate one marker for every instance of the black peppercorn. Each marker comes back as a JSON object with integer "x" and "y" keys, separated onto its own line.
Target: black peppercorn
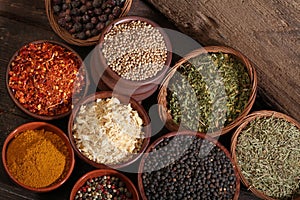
{"x": 100, "y": 26}
{"x": 77, "y": 27}
{"x": 97, "y": 3}
{"x": 80, "y": 35}
{"x": 102, "y": 18}
{"x": 56, "y": 8}
{"x": 187, "y": 167}
{"x": 116, "y": 11}
{"x": 74, "y": 11}
{"x": 107, "y": 11}
{"x": 75, "y": 3}
{"x": 94, "y": 20}
{"x": 94, "y": 32}
{"x": 85, "y": 18}
{"x": 89, "y": 26}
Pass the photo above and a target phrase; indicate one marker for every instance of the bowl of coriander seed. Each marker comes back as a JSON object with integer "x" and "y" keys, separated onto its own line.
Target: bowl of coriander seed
{"x": 132, "y": 57}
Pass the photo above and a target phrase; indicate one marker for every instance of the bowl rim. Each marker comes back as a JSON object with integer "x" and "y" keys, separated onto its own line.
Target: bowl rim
{"x": 32, "y": 126}
{"x": 134, "y": 104}
{"x": 102, "y": 172}
{"x": 19, "y": 105}
{"x": 166, "y": 116}
{"x": 114, "y": 75}
{"x": 234, "y": 139}
{"x": 186, "y": 133}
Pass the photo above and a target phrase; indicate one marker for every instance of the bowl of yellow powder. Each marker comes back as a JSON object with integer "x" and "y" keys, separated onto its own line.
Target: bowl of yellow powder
{"x": 38, "y": 156}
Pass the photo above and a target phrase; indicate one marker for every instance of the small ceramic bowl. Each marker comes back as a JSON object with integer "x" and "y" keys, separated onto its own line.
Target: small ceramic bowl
{"x": 104, "y": 75}
{"x": 70, "y": 159}
{"x": 38, "y": 77}
{"x": 105, "y": 172}
{"x": 124, "y": 100}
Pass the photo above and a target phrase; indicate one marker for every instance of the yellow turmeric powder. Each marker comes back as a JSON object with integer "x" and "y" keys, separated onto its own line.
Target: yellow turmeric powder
{"x": 37, "y": 158}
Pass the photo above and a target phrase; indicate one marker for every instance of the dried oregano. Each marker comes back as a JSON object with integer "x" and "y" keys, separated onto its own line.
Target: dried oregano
{"x": 208, "y": 92}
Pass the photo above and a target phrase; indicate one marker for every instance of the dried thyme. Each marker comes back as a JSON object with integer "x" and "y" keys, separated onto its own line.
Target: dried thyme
{"x": 209, "y": 91}
{"x": 268, "y": 152}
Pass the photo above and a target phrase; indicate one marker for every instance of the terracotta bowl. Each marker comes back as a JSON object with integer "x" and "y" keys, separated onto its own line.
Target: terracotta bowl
{"x": 47, "y": 127}
{"x": 104, "y": 172}
{"x": 83, "y": 91}
{"x": 234, "y": 141}
{"x": 153, "y": 145}
{"x": 65, "y": 35}
{"x": 125, "y": 100}
{"x": 139, "y": 90}
{"x": 166, "y": 116}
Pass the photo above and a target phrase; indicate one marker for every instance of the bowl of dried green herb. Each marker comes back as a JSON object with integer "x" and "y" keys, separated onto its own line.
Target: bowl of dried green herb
{"x": 209, "y": 90}
{"x": 266, "y": 151}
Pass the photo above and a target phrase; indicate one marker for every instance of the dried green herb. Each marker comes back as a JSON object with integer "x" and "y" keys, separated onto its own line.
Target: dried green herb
{"x": 268, "y": 152}
{"x": 209, "y": 92}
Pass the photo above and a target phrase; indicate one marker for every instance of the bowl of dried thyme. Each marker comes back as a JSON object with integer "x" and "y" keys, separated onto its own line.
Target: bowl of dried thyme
{"x": 45, "y": 78}
{"x": 266, "y": 150}
{"x": 209, "y": 90}
{"x": 38, "y": 156}
{"x": 132, "y": 57}
{"x": 109, "y": 130}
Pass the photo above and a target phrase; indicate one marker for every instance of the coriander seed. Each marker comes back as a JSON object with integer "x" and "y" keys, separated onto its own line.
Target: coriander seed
{"x": 135, "y": 50}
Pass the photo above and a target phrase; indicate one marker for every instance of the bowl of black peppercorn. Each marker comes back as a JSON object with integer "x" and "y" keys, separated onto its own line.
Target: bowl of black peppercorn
{"x": 80, "y": 22}
{"x": 187, "y": 165}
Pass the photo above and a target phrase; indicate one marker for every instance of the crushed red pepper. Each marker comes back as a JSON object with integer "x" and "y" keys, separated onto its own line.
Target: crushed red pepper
{"x": 43, "y": 77}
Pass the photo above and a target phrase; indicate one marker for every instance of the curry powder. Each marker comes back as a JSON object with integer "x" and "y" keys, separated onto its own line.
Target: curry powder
{"x": 37, "y": 158}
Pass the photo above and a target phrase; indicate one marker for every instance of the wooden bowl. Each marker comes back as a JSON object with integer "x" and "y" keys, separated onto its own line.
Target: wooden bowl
{"x": 185, "y": 133}
{"x": 47, "y": 127}
{"x": 245, "y": 122}
{"x": 66, "y": 36}
{"x": 124, "y": 100}
{"x": 104, "y": 172}
{"x": 166, "y": 116}
{"x": 139, "y": 90}
{"x": 74, "y": 99}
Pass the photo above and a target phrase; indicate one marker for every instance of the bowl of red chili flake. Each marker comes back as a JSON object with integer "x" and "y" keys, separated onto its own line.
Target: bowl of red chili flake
{"x": 45, "y": 78}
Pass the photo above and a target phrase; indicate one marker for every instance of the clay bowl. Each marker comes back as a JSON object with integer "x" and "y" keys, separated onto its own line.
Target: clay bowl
{"x": 104, "y": 172}
{"x": 152, "y": 149}
{"x": 124, "y": 100}
{"x": 104, "y": 76}
{"x": 49, "y": 63}
{"x": 70, "y": 160}
{"x": 164, "y": 112}
{"x": 234, "y": 142}
{"x": 66, "y": 35}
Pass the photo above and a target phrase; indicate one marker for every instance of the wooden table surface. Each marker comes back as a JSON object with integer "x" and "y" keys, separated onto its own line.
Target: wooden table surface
{"x": 23, "y": 21}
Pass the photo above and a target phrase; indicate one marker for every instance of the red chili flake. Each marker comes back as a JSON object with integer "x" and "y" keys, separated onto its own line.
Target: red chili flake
{"x": 45, "y": 76}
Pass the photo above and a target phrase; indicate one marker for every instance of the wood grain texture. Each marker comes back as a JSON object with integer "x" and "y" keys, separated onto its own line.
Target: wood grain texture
{"x": 266, "y": 31}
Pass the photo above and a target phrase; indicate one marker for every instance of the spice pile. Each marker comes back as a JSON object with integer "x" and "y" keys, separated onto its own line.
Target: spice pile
{"x": 37, "y": 158}
{"x": 84, "y": 19}
{"x": 104, "y": 187}
{"x": 135, "y": 50}
{"x": 208, "y": 92}
{"x": 186, "y": 167}
{"x": 107, "y": 131}
{"x": 43, "y": 77}
{"x": 268, "y": 153}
